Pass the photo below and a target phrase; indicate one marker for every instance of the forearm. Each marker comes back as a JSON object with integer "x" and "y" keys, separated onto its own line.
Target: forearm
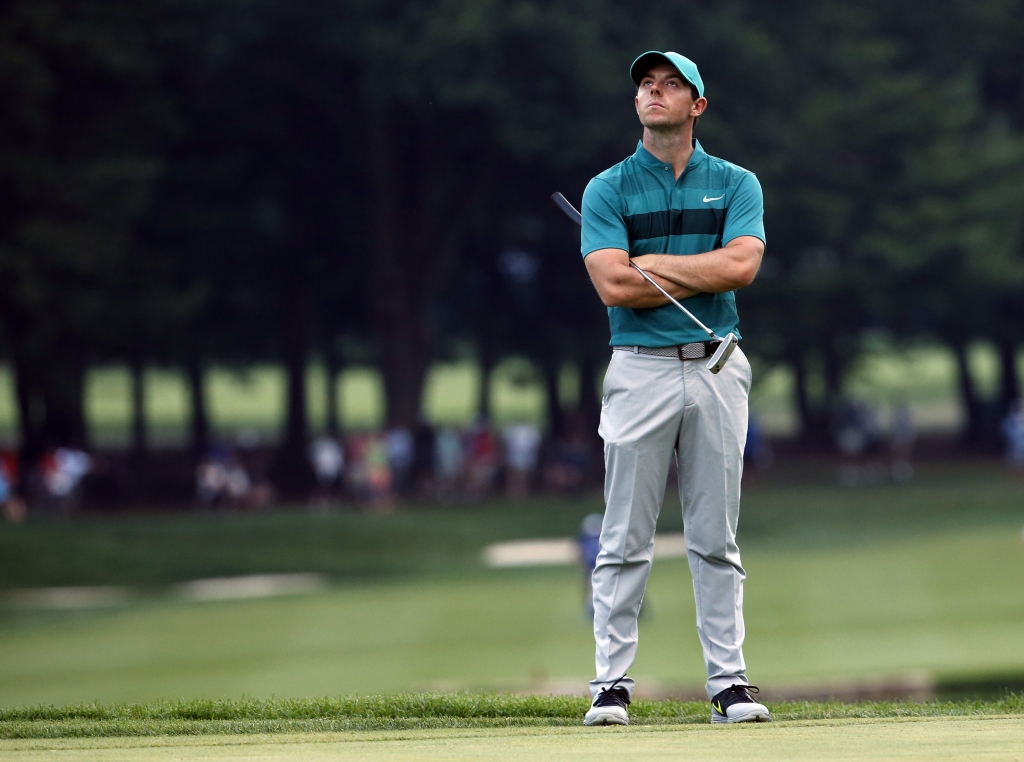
{"x": 726, "y": 269}
{"x": 623, "y": 286}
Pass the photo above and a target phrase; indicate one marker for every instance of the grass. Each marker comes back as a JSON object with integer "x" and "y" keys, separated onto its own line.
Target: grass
{"x": 973, "y": 738}
{"x": 945, "y": 606}
{"x": 506, "y": 728}
{"x": 145, "y": 549}
{"x": 845, "y": 587}
{"x": 425, "y": 711}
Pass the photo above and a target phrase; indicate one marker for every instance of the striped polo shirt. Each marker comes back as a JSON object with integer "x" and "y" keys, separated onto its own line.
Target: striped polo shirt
{"x": 639, "y": 206}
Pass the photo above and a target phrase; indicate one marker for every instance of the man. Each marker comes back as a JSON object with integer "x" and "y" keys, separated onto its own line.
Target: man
{"x": 693, "y": 222}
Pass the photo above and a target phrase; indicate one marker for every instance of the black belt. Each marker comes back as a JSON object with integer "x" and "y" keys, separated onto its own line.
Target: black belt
{"x": 698, "y": 350}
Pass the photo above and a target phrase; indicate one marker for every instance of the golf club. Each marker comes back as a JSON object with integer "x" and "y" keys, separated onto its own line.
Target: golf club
{"x": 726, "y": 345}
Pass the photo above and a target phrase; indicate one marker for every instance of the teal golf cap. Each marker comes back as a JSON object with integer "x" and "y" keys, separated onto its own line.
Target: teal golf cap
{"x": 686, "y": 67}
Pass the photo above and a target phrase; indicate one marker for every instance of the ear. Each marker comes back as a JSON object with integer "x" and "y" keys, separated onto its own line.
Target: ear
{"x": 698, "y": 106}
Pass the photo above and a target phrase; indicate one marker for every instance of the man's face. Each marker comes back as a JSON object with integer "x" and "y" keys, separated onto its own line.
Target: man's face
{"x": 664, "y": 99}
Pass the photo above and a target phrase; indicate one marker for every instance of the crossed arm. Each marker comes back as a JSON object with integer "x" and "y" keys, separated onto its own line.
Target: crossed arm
{"x": 726, "y": 269}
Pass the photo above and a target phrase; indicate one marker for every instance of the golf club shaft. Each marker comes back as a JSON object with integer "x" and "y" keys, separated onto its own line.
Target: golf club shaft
{"x": 569, "y": 209}
{"x": 668, "y": 296}
{"x": 575, "y": 216}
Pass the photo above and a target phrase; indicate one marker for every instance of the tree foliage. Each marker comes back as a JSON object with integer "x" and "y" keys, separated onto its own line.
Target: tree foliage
{"x": 188, "y": 182}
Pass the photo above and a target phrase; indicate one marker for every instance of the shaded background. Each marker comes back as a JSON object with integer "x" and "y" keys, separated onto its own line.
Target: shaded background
{"x": 256, "y": 221}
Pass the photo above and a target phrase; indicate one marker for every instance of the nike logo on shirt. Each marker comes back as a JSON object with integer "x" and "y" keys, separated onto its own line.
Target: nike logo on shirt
{"x": 706, "y": 199}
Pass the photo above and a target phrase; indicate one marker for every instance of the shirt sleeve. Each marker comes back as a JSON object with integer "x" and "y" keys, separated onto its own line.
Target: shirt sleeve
{"x": 603, "y": 223}
{"x": 746, "y": 210}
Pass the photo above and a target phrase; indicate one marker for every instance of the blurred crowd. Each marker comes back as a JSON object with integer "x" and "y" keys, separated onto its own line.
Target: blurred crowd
{"x": 448, "y": 464}
{"x": 235, "y": 476}
{"x": 444, "y": 463}
{"x": 373, "y": 469}
{"x": 869, "y": 452}
{"x": 51, "y": 482}
{"x": 1013, "y": 431}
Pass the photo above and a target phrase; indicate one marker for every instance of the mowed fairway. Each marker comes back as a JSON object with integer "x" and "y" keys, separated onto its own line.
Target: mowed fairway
{"x": 844, "y": 587}
{"x": 948, "y": 603}
{"x": 995, "y": 738}
{"x": 914, "y": 583}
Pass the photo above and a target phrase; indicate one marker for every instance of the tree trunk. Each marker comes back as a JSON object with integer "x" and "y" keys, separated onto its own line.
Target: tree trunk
{"x": 138, "y": 406}
{"x": 974, "y": 427}
{"x": 590, "y": 417}
{"x": 333, "y": 370}
{"x": 1009, "y": 387}
{"x": 835, "y": 367}
{"x": 293, "y": 472}
{"x": 590, "y": 406}
{"x": 404, "y": 374}
{"x": 425, "y": 198}
{"x": 803, "y": 403}
{"x": 400, "y": 322}
{"x": 63, "y": 394}
{"x": 27, "y": 408}
{"x": 487, "y": 363}
{"x": 556, "y": 422}
{"x": 296, "y": 426}
{"x": 200, "y": 419}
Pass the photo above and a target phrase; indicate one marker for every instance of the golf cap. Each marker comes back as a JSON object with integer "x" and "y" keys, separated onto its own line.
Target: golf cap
{"x": 682, "y": 64}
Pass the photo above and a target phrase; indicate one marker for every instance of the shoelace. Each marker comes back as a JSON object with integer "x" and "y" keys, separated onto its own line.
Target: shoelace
{"x": 612, "y": 696}
{"x": 735, "y": 694}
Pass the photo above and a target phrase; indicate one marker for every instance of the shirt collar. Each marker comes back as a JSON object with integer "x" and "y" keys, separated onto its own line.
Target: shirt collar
{"x": 647, "y": 159}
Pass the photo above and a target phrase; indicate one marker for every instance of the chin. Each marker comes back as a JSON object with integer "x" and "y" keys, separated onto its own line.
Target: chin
{"x": 661, "y": 122}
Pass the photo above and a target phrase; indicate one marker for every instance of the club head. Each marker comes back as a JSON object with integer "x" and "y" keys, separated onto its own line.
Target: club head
{"x": 721, "y": 355}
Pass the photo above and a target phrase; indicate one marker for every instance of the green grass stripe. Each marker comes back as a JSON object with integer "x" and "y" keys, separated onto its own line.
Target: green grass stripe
{"x": 420, "y": 711}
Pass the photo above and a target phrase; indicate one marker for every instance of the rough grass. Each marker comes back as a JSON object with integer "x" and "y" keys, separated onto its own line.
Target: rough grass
{"x": 423, "y": 711}
{"x": 144, "y": 549}
{"x": 797, "y": 510}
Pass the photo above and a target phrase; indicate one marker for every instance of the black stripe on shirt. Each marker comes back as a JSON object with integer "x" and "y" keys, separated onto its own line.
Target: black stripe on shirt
{"x": 675, "y": 222}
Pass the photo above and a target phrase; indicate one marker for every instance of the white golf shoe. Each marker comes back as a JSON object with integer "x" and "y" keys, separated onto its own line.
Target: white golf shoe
{"x": 609, "y": 707}
{"x": 735, "y": 704}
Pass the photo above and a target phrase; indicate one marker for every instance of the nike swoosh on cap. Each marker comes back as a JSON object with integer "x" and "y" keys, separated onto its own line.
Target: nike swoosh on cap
{"x": 706, "y": 199}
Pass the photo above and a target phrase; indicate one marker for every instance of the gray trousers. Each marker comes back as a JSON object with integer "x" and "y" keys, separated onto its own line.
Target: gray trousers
{"x": 653, "y": 406}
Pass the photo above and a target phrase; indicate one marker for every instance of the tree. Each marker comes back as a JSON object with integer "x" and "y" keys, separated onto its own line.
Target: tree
{"x": 78, "y": 155}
